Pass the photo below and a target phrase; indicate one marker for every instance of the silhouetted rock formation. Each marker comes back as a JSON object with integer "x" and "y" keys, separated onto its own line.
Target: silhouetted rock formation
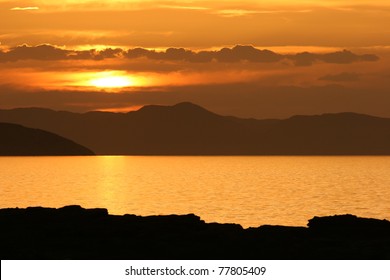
{"x": 187, "y": 129}
{"x": 16, "y": 140}
{"x": 76, "y": 233}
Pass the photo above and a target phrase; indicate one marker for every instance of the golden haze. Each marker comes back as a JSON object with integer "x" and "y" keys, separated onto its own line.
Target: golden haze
{"x": 78, "y": 53}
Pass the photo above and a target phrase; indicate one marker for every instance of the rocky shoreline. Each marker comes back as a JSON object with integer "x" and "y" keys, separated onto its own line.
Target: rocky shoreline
{"x": 73, "y": 232}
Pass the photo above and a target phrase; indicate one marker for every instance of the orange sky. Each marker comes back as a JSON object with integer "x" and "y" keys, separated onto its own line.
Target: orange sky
{"x": 199, "y": 24}
{"x": 65, "y": 63}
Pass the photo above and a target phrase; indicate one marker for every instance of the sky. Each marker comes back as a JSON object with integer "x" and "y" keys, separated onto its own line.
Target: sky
{"x": 252, "y": 59}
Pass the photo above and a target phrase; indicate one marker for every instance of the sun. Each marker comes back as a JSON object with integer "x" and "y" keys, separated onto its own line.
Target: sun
{"x": 112, "y": 80}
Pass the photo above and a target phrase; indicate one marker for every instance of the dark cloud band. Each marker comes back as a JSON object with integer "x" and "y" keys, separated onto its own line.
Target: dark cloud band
{"x": 225, "y": 55}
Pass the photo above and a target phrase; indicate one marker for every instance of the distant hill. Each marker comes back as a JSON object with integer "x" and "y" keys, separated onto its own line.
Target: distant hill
{"x": 187, "y": 129}
{"x": 16, "y": 140}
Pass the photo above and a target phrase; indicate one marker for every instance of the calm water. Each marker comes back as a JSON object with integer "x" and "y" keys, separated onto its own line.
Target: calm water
{"x": 250, "y": 191}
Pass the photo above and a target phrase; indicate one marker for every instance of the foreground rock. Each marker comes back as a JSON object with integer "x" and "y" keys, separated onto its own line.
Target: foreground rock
{"x": 76, "y": 233}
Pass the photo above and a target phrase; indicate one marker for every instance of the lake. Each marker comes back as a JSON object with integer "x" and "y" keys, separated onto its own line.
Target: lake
{"x": 248, "y": 190}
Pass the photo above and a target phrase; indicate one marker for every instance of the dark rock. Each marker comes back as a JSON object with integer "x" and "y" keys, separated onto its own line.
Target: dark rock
{"x": 72, "y": 232}
{"x": 349, "y": 226}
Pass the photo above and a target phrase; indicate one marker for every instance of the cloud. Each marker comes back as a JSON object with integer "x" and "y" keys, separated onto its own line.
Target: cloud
{"x": 236, "y": 54}
{"x": 235, "y": 13}
{"x": 339, "y": 57}
{"x": 345, "y": 57}
{"x": 246, "y": 12}
{"x": 341, "y": 77}
{"x": 48, "y": 52}
{"x": 177, "y": 7}
{"x": 247, "y": 53}
{"x": 42, "y": 52}
{"x": 241, "y": 53}
{"x": 24, "y": 8}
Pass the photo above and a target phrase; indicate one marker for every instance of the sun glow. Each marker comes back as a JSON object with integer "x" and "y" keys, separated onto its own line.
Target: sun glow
{"x": 110, "y": 80}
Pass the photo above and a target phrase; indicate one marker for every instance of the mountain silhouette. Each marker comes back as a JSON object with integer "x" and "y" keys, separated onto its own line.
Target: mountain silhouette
{"x": 17, "y": 140}
{"x": 188, "y": 129}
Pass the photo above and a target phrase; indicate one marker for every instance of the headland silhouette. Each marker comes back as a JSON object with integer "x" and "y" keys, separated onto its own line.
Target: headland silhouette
{"x": 188, "y": 129}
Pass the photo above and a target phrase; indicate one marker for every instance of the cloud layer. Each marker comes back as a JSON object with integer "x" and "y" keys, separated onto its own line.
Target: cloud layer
{"x": 24, "y": 8}
{"x": 236, "y": 54}
{"x": 341, "y": 77}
